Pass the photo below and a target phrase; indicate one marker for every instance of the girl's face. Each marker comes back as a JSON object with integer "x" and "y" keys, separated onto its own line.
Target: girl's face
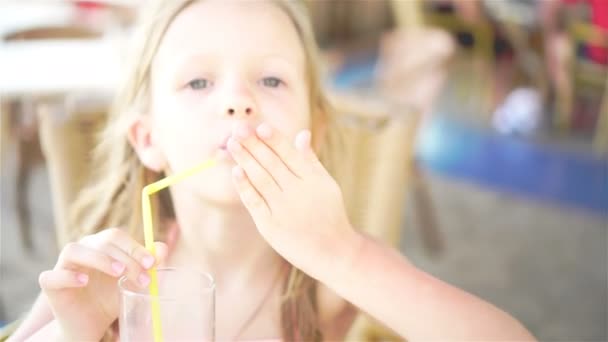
{"x": 219, "y": 63}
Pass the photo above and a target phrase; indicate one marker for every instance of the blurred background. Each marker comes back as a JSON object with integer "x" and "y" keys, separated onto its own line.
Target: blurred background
{"x": 485, "y": 123}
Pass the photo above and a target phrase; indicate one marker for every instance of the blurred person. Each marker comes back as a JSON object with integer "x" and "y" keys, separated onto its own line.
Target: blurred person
{"x": 553, "y": 15}
{"x": 560, "y": 52}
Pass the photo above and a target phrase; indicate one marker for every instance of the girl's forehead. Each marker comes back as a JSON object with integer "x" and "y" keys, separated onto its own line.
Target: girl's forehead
{"x": 231, "y": 30}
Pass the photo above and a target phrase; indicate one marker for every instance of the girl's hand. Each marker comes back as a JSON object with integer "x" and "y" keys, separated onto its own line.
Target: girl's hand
{"x": 296, "y": 205}
{"x": 82, "y": 289}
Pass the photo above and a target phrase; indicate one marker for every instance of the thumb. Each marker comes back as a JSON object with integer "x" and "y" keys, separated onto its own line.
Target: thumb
{"x": 162, "y": 251}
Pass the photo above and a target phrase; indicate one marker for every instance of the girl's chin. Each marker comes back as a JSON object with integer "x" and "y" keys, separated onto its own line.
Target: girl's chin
{"x": 220, "y": 192}
{"x": 228, "y": 199}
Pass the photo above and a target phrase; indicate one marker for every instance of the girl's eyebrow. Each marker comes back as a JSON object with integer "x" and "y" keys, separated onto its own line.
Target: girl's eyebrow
{"x": 190, "y": 61}
{"x": 283, "y": 63}
{"x": 183, "y": 66}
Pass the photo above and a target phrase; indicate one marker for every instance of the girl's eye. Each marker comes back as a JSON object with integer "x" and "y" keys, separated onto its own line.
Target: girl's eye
{"x": 272, "y": 82}
{"x": 199, "y": 83}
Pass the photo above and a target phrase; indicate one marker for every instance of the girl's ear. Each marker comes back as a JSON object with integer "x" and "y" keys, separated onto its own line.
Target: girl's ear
{"x": 140, "y": 137}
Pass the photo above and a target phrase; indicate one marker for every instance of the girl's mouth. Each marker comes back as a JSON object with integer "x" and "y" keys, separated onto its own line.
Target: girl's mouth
{"x": 224, "y": 144}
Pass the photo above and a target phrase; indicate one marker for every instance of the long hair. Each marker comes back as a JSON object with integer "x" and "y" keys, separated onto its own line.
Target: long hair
{"x": 112, "y": 199}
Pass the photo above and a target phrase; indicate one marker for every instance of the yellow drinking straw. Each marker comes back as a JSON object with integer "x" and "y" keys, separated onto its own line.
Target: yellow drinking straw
{"x": 146, "y": 192}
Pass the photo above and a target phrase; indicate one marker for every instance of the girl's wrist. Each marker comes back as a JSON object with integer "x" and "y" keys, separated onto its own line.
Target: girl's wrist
{"x": 340, "y": 256}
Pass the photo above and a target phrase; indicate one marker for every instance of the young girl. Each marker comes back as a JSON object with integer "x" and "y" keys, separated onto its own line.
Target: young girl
{"x": 237, "y": 82}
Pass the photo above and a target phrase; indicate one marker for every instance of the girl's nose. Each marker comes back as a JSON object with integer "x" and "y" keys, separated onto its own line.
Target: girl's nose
{"x": 237, "y": 100}
{"x": 244, "y": 110}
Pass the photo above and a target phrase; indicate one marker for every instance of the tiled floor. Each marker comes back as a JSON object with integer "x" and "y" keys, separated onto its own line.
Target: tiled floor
{"x": 545, "y": 265}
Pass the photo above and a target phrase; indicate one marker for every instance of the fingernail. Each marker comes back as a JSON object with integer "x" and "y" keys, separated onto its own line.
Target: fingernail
{"x": 264, "y": 131}
{"x": 147, "y": 261}
{"x": 82, "y": 278}
{"x": 234, "y": 145}
{"x": 143, "y": 279}
{"x": 241, "y": 131}
{"x": 238, "y": 172}
{"x": 118, "y": 267}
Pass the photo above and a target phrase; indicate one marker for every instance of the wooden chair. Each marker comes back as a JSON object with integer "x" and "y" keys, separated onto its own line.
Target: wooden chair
{"x": 382, "y": 164}
{"x": 63, "y": 138}
{"x": 380, "y": 153}
{"x": 21, "y": 129}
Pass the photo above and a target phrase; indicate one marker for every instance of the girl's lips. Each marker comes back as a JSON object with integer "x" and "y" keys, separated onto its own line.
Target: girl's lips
{"x": 224, "y": 144}
{"x": 222, "y": 148}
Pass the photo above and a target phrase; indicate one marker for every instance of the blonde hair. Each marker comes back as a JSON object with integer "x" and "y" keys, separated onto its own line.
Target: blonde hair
{"x": 113, "y": 198}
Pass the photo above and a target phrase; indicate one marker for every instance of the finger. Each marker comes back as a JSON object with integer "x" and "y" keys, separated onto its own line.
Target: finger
{"x": 302, "y": 143}
{"x": 76, "y": 256}
{"x": 61, "y": 279}
{"x": 135, "y": 272}
{"x": 253, "y": 201}
{"x": 129, "y": 245}
{"x": 282, "y": 148}
{"x": 162, "y": 252}
{"x": 161, "y": 248}
{"x": 258, "y": 177}
{"x": 268, "y": 159}
{"x": 124, "y": 264}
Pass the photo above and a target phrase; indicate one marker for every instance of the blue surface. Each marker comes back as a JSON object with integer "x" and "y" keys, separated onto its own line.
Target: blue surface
{"x": 510, "y": 164}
